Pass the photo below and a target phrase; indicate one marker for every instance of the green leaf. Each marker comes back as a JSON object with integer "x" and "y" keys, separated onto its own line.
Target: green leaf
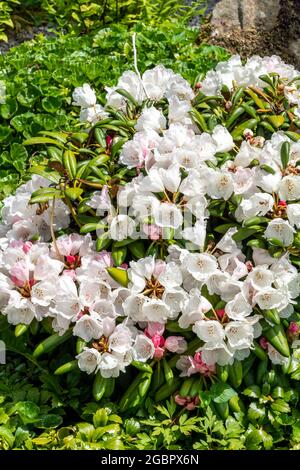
{"x": 243, "y": 233}
{"x": 7, "y": 436}
{"x": 280, "y": 406}
{"x": 27, "y": 96}
{"x": 73, "y": 193}
{"x": 5, "y": 132}
{"x": 42, "y": 140}
{"x": 256, "y": 412}
{"x": 51, "y": 104}
{"x": 276, "y": 121}
{"x": 222, "y": 392}
{"x": 285, "y": 154}
{"x": 119, "y": 275}
{"x": 19, "y": 156}
{"x": 100, "y": 418}
{"x": 49, "y": 422}
{"x": 9, "y": 108}
{"x": 27, "y": 410}
{"x": 253, "y": 391}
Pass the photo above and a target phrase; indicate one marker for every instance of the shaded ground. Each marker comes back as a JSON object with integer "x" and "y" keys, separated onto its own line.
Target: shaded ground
{"x": 283, "y": 40}
{"x": 16, "y": 36}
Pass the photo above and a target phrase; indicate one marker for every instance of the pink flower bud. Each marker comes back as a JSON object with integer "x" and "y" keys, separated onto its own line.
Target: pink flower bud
{"x": 159, "y": 353}
{"x": 220, "y": 312}
{"x": 249, "y": 266}
{"x": 198, "y": 358}
{"x": 27, "y": 247}
{"x": 294, "y": 327}
{"x": 190, "y": 406}
{"x": 248, "y": 134}
{"x": 158, "y": 341}
{"x": 263, "y": 343}
{"x": 282, "y": 203}
{"x": 293, "y": 331}
{"x": 180, "y": 400}
{"x": 71, "y": 259}
{"x": 108, "y": 140}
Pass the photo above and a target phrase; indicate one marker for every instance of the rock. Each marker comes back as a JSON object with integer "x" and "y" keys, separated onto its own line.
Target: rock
{"x": 263, "y": 27}
{"x": 229, "y": 15}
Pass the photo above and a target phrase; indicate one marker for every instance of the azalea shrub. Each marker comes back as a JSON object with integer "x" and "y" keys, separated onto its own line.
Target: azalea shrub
{"x": 155, "y": 250}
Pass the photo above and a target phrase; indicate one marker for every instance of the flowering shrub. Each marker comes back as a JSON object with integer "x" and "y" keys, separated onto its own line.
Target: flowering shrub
{"x": 164, "y": 236}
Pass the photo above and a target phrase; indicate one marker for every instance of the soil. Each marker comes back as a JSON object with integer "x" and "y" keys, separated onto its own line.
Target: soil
{"x": 283, "y": 40}
{"x": 19, "y": 35}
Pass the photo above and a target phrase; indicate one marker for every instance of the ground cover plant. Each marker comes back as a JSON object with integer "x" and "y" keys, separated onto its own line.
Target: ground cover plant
{"x": 155, "y": 251}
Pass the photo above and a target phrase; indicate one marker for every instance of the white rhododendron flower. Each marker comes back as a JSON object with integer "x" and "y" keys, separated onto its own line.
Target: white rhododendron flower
{"x": 281, "y": 230}
{"x": 151, "y": 119}
{"x": 84, "y": 96}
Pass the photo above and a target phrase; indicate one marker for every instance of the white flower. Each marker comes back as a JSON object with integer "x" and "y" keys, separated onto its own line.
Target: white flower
{"x": 151, "y": 119}
{"x": 110, "y": 365}
{"x": 221, "y": 355}
{"x": 270, "y": 298}
{"x": 289, "y": 188}
{"x": 143, "y": 348}
{"x": 133, "y": 307}
{"x": 261, "y": 277}
{"x": 139, "y": 151}
{"x": 120, "y": 340}
{"x": 42, "y": 293}
{"x": 121, "y": 227}
{"x": 167, "y": 214}
{"x": 222, "y": 139}
{"x": 194, "y": 310}
{"x": 88, "y": 327}
{"x": 130, "y": 82}
{"x": 238, "y": 308}
{"x": 200, "y": 265}
{"x": 92, "y": 114}
{"x": 210, "y": 331}
{"x": 84, "y": 96}
{"x": 292, "y": 94}
{"x": 220, "y": 185}
{"x": 275, "y": 356}
{"x": 156, "y": 81}
{"x": 239, "y": 334}
{"x": 281, "y": 230}
{"x": 293, "y": 213}
{"x": 88, "y": 360}
{"x": 257, "y": 205}
{"x": 196, "y": 234}
{"x": 179, "y": 111}
{"x": 21, "y": 311}
{"x": 155, "y": 310}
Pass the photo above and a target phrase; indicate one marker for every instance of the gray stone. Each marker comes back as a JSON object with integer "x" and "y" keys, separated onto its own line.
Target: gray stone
{"x": 246, "y": 15}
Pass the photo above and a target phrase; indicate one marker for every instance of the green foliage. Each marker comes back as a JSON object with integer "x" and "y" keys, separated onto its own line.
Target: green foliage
{"x": 78, "y": 16}
{"x": 6, "y": 9}
{"x": 41, "y": 411}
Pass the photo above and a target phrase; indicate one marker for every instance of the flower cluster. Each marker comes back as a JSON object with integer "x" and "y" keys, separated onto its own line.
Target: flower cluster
{"x": 213, "y": 203}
